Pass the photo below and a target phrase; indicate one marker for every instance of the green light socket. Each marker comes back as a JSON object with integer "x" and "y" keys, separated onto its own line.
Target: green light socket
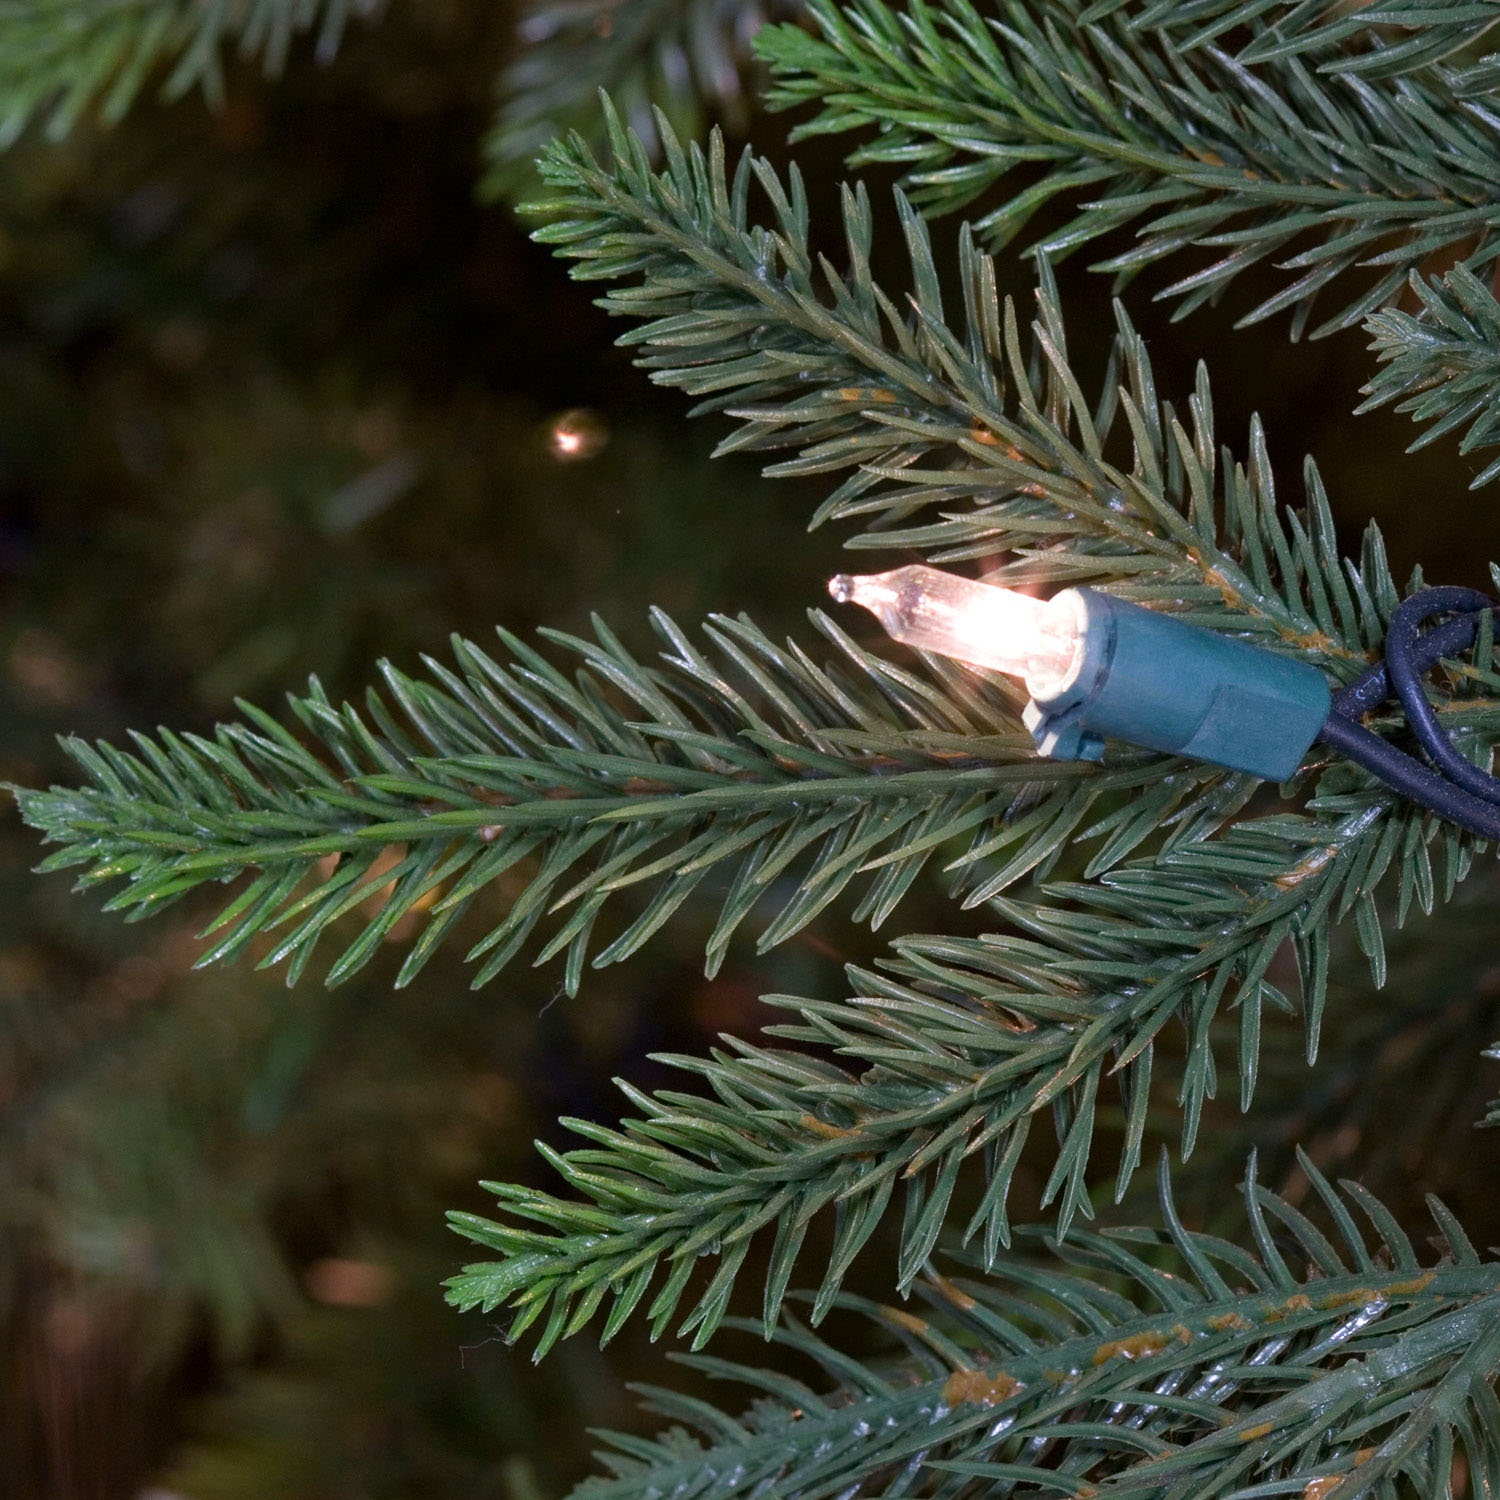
{"x": 1153, "y": 681}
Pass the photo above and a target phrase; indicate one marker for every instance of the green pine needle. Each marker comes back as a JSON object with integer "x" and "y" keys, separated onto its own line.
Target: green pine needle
{"x": 1373, "y": 41}
{"x": 1297, "y": 1363}
{"x": 1335, "y": 176}
{"x": 744, "y": 769}
{"x": 1442, "y": 364}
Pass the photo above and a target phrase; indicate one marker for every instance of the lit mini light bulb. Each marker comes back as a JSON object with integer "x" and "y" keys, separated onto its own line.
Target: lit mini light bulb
{"x": 1099, "y": 668}
{"x": 979, "y": 623}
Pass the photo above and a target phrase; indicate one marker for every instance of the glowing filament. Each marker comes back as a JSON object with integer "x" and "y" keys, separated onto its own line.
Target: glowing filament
{"x": 974, "y": 622}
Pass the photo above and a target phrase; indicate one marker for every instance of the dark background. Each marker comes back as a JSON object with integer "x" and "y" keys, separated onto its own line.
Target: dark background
{"x": 278, "y": 396}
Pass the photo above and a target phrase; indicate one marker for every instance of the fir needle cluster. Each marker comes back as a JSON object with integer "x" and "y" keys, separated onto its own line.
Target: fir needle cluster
{"x": 1352, "y": 170}
{"x": 953, "y": 439}
{"x": 1190, "y": 146}
{"x": 1297, "y": 1363}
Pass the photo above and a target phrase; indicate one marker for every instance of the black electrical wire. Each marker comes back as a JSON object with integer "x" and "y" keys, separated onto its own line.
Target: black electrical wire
{"x": 1406, "y": 668}
{"x": 1411, "y": 777}
{"x": 1452, "y": 786}
{"x": 1371, "y": 689}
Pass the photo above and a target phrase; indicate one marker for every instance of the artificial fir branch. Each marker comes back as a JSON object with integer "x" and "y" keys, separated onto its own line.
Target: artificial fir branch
{"x": 1194, "y": 148}
{"x": 1376, "y": 41}
{"x": 1108, "y": 964}
{"x": 1184, "y": 931}
{"x": 960, "y": 418}
{"x": 1294, "y": 1363}
{"x": 953, "y": 1050}
{"x": 746, "y": 760}
{"x": 1165, "y": 1363}
{"x": 1396, "y": 1079}
{"x": 62, "y": 58}
{"x": 1442, "y": 363}
{"x": 495, "y": 764}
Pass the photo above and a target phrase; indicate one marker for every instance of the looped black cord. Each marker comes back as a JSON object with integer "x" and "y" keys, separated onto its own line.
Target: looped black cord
{"x": 1453, "y": 787}
{"x": 1406, "y": 678}
{"x": 1372, "y": 688}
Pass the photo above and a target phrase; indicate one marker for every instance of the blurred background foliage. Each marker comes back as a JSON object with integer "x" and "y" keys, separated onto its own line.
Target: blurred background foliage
{"x": 279, "y": 395}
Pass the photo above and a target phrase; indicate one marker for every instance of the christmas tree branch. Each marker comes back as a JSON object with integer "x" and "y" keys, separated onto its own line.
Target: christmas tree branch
{"x": 1193, "y": 147}
{"x": 686, "y": 769}
{"x": 955, "y": 417}
{"x": 955, "y": 1050}
{"x": 61, "y": 58}
{"x": 1295, "y": 1363}
{"x": 1442, "y": 364}
{"x": 1395, "y": 1081}
{"x": 1104, "y": 966}
{"x": 1373, "y": 41}
{"x": 749, "y": 765}
{"x": 499, "y": 765}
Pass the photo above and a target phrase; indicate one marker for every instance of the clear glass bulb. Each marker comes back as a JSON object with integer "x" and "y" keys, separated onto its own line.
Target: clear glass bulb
{"x": 974, "y": 622}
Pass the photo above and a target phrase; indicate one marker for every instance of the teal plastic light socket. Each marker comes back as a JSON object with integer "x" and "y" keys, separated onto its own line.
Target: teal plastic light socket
{"x": 1153, "y": 681}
